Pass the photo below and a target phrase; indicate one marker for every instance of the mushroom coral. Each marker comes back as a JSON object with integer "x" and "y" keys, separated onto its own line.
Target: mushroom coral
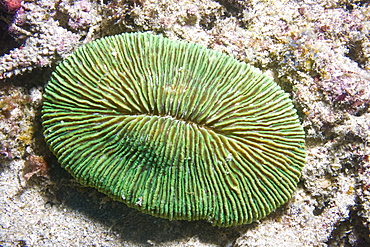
{"x": 174, "y": 129}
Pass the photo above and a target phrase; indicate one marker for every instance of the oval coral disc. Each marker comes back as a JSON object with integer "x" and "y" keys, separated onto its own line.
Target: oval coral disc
{"x": 174, "y": 129}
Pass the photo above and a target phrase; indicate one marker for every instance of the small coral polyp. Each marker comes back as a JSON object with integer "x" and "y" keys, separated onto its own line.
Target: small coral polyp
{"x": 174, "y": 129}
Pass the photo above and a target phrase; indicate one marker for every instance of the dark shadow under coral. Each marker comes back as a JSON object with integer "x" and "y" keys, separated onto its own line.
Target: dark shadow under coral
{"x": 130, "y": 224}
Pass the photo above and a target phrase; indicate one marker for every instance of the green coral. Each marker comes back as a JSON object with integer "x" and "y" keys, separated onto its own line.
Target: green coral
{"x": 174, "y": 129}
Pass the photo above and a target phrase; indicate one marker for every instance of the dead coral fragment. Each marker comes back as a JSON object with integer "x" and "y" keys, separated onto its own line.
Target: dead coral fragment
{"x": 174, "y": 129}
{"x": 36, "y": 165}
